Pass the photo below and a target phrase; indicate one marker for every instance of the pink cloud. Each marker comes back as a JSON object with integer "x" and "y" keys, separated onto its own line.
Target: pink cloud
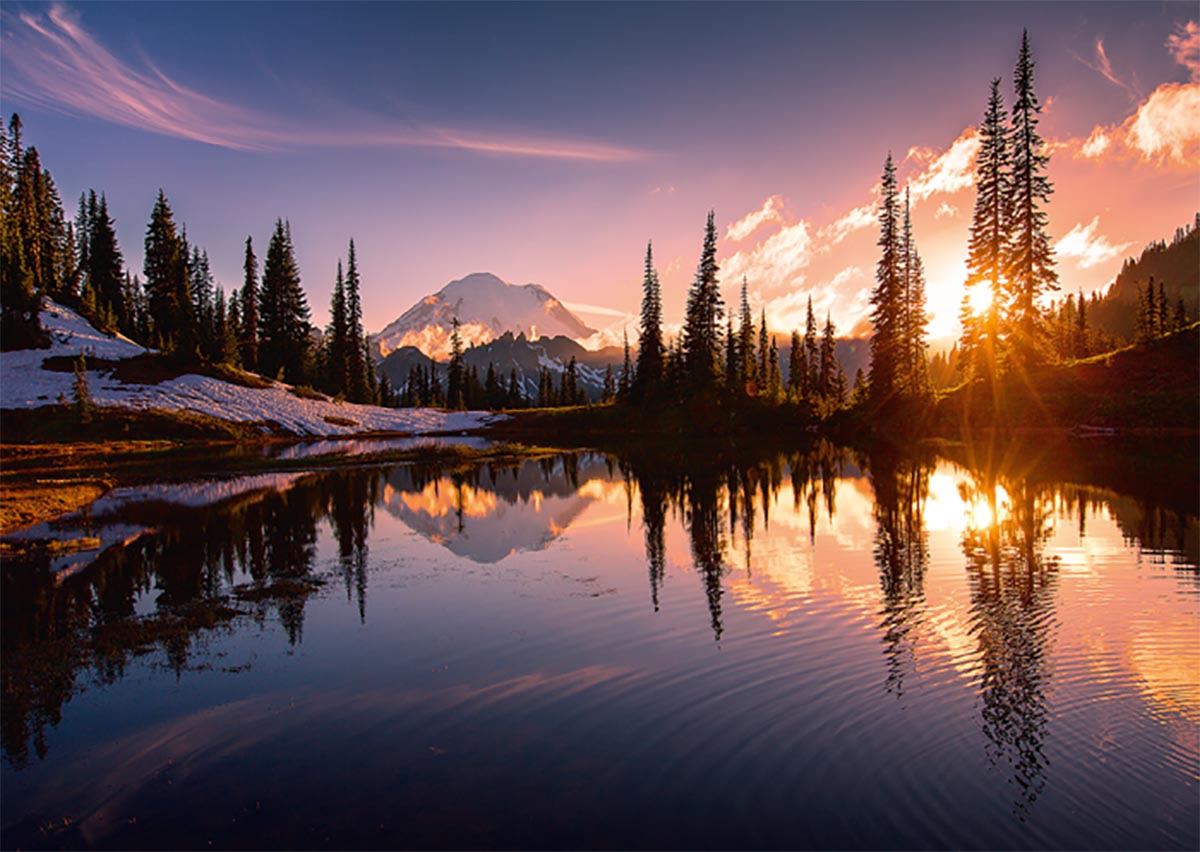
{"x": 51, "y": 61}
{"x": 1184, "y": 45}
{"x": 1166, "y": 128}
{"x": 951, "y": 171}
{"x": 1088, "y": 247}
{"x": 1103, "y": 66}
{"x": 751, "y": 222}
{"x": 855, "y": 220}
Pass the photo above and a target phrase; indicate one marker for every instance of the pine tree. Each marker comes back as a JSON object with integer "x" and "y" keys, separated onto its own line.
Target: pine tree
{"x": 810, "y": 386}
{"x": 647, "y": 382}
{"x": 915, "y": 369}
{"x": 248, "y": 342}
{"x": 167, "y": 289}
{"x": 797, "y": 367}
{"x": 887, "y": 299}
{"x": 456, "y": 377}
{"x": 1080, "y": 347}
{"x": 336, "y": 337}
{"x": 106, "y": 265}
{"x": 987, "y": 250}
{"x": 358, "y": 367}
{"x": 203, "y": 291}
{"x": 827, "y": 375}
{"x": 231, "y": 350}
{"x": 701, "y": 331}
{"x": 762, "y": 368}
{"x": 283, "y": 313}
{"x": 1030, "y": 260}
{"x": 20, "y": 325}
{"x": 610, "y": 385}
{"x": 747, "y": 372}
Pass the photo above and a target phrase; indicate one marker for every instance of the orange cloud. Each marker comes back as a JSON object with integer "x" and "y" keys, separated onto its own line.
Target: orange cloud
{"x": 1096, "y": 144}
{"x": 1086, "y": 246}
{"x": 776, "y": 262}
{"x": 949, "y": 172}
{"x": 1166, "y": 128}
{"x": 750, "y": 223}
{"x": 52, "y": 62}
{"x": 855, "y": 220}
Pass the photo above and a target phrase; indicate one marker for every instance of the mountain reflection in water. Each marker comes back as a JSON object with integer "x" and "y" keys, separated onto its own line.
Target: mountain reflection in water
{"x": 1045, "y": 602}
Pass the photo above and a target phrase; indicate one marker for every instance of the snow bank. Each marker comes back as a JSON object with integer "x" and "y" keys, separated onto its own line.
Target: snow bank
{"x": 24, "y": 384}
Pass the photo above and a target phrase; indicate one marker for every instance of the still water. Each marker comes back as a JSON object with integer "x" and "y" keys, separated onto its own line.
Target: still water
{"x": 983, "y": 649}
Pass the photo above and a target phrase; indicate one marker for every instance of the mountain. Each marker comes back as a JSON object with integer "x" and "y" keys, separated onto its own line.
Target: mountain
{"x": 486, "y": 306}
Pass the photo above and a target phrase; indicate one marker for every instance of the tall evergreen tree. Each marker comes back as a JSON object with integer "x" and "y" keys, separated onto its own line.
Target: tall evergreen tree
{"x": 106, "y": 265}
{"x": 167, "y": 288}
{"x": 797, "y": 367}
{"x": 20, "y": 325}
{"x": 283, "y": 313}
{"x": 887, "y": 299}
{"x": 747, "y": 370}
{"x": 248, "y": 342}
{"x": 914, "y": 318}
{"x": 812, "y": 355}
{"x": 456, "y": 376}
{"x": 1030, "y": 259}
{"x": 337, "y": 338}
{"x": 627, "y": 378}
{"x": 827, "y": 374}
{"x": 701, "y": 328}
{"x": 987, "y": 251}
{"x": 647, "y": 381}
{"x": 358, "y": 367}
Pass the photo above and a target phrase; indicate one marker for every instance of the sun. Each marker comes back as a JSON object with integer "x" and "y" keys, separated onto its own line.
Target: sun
{"x": 979, "y": 300}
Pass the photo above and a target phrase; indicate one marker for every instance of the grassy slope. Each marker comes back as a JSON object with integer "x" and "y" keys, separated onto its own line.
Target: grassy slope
{"x": 1154, "y": 385}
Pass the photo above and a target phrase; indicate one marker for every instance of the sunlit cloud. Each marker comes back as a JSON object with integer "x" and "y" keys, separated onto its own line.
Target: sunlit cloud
{"x": 948, "y": 172}
{"x": 1087, "y": 246}
{"x": 855, "y": 220}
{"x": 1167, "y": 126}
{"x": 1184, "y": 45}
{"x": 1103, "y": 66}
{"x": 1096, "y": 144}
{"x": 946, "y": 211}
{"x": 750, "y": 223}
{"x": 52, "y": 62}
{"x": 775, "y": 263}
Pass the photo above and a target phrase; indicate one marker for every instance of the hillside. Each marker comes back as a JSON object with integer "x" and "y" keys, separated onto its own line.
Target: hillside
{"x": 1176, "y": 265}
{"x": 123, "y": 375}
{"x": 1149, "y": 386}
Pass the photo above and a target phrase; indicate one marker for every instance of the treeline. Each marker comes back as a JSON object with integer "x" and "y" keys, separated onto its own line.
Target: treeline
{"x": 722, "y": 364}
{"x": 175, "y": 305}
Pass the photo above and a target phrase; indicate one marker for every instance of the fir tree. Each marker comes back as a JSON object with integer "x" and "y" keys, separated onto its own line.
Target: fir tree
{"x": 167, "y": 289}
{"x": 20, "y": 325}
{"x": 812, "y": 355}
{"x": 248, "y": 342}
{"x": 358, "y": 366}
{"x": 827, "y": 374}
{"x": 987, "y": 251}
{"x": 915, "y": 319}
{"x": 1030, "y": 260}
{"x": 701, "y": 331}
{"x": 283, "y": 312}
{"x": 747, "y": 371}
{"x": 106, "y": 266}
{"x": 336, "y": 337}
{"x": 627, "y": 378}
{"x": 456, "y": 377}
{"x": 797, "y": 367}
{"x": 762, "y": 368}
{"x": 887, "y": 299}
{"x": 647, "y": 382}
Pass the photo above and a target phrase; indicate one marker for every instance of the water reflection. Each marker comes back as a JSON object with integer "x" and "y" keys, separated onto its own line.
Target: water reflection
{"x": 959, "y": 569}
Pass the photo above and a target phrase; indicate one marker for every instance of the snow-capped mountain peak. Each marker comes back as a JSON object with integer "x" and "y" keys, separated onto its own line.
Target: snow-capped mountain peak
{"x": 486, "y": 306}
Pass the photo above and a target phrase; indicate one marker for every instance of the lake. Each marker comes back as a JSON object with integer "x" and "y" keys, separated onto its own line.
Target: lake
{"x": 980, "y": 647}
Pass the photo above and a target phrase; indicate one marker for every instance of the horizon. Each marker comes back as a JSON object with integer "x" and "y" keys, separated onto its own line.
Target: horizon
{"x": 544, "y": 171}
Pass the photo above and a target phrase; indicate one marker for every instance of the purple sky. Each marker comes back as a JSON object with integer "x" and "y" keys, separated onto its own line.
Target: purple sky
{"x": 549, "y": 142}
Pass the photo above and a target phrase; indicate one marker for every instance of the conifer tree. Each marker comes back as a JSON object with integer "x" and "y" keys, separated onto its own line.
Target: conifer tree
{"x": 827, "y": 374}
{"x": 747, "y": 371}
{"x": 358, "y": 367}
{"x": 1080, "y": 347}
{"x": 337, "y": 374}
{"x": 248, "y": 342}
{"x": 915, "y": 319}
{"x": 763, "y": 368}
{"x": 167, "y": 288}
{"x": 732, "y": 365}
{"x": 647, "y": 382}
{"x": 987, "y": 250}
{"x": 797, "y": 367}
{"x": 812, "y": 355}
{"x": 283, "y": 313}
{"x": 456, "y": 376}
{"x": 1030, "y": 259}
{"x": 20, "y": 325}
{"x": 627, "y": 379}
{"x": 887, "y": 299}
{"x": 701, "y": 331}
{"x": 106, "y": 266}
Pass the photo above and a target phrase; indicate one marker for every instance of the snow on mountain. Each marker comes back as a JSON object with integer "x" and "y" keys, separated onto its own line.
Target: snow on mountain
{"x": 486, "y": 307}
{"x": 24, "y": 383}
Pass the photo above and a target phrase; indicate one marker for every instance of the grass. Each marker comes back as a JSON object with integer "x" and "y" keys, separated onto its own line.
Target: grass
{"x": 25, "y": 504}
{"x": 152, "y": 369}
{"x": 339, "y": 421}
{"x": 56, "y": 424}
{"x": 305, "y": 392}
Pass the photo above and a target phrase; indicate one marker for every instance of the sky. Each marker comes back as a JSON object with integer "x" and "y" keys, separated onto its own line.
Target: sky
{"x": 550, "y": 142}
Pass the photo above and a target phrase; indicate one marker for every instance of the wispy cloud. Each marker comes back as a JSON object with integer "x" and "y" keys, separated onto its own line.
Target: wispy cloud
{"x": 1184, "y": 45}
{"x": 1103, "y": 66}
{"x": 1088, "y": 247}
{"x": 1167, "y": 126}
{"x": 51, "y": 61}
{"x": 1096, "y": 144}
{"x": 947, "y": 172}
{"x": 750, "y": 223}
{"x": 855, "y": 220}
{"x": 946, "y": 211}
